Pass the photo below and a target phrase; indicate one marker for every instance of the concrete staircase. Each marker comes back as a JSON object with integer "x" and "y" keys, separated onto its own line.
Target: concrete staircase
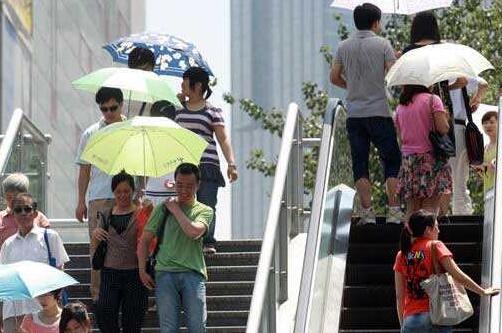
{"x": 231, "y": 273}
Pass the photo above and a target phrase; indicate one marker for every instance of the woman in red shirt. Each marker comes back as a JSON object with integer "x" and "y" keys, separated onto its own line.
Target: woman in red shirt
{"x": 414, "y": 264}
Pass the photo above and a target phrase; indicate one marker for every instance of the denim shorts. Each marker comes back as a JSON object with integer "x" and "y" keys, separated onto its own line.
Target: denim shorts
{"x": 421, "y": 323}
{"x": 381, "y": 132}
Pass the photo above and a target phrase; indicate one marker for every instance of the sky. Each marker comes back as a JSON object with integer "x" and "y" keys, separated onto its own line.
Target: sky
{"x": 205, "y": 23}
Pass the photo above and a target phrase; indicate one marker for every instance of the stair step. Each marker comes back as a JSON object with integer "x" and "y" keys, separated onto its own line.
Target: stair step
{"x": 213, "y": 288}
{"x": 215, "y": 273}
{"x": 383, "y": 318}
{"x": 218, "y": 259}
{"x": 455, "y": 330}
{"x": 243, "y": 245}
{"x": 214, "y": 303}
{"x": 213, "y": 329}
{"x": 378, "y": 296}
{"x": 386, "y": 253}
{"x": 379, "y": 274}
{"x": 389, "y": 233}
{"x": 214, "y": 318}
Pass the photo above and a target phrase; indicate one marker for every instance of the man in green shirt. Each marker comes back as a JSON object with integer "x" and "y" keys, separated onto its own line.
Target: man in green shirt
{"x": 180, "y": 272}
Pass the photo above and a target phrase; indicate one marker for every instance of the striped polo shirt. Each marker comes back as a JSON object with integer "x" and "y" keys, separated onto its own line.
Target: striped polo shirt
{"x": 202, "y": 122}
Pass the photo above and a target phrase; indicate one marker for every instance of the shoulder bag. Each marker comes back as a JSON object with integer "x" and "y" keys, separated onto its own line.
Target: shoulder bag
{"x": 473, "y": 137}
{"x": 98, "y": 258}
{"x": 52, "y": 262}
{"x": 448, "y": 301}
{"x": 443, "y": 147}
{"x": 152, "y": 258}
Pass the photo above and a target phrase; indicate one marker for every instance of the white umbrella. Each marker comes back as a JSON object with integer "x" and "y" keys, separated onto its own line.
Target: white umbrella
{"x": 435, "y": 63}
{"x": 405, "y": 7}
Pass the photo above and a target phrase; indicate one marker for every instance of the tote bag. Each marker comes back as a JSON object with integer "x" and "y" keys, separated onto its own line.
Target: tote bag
{"x": 448, "y": 301}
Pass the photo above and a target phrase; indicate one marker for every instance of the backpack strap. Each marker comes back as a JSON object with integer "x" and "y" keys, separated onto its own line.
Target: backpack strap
{"x": 468, "y": 110}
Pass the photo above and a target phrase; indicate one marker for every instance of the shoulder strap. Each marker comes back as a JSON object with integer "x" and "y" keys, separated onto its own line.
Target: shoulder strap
{"x": 161, "y": 228}
{"x": 105, "y": 218}
{"x": 46, "y": 239}
{"x": 468, "y": 110}
{"x": 435, "y": 264}
{"x": 431, "y": 103}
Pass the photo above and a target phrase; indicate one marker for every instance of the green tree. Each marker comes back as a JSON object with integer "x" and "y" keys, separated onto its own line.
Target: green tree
{"x": 467, "y": 23}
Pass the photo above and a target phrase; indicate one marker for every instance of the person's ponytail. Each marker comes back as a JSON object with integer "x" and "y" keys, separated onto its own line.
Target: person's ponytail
{"x": 208, "y": 93}
{"x": 405, "y": 242}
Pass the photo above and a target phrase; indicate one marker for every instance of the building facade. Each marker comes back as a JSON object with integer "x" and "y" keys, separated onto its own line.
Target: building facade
{"x": 45, "y": 45}
{"x": 275, "y": 47}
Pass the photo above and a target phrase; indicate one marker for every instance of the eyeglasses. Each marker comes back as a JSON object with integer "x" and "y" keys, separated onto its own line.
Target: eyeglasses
{"x": 111, "y": 108}
{"x": 25, "y": 209}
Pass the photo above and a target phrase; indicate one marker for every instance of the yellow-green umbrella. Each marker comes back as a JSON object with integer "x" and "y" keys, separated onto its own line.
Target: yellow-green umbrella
{"x": 143, "y": 146}
{"x": 137, "y": 85}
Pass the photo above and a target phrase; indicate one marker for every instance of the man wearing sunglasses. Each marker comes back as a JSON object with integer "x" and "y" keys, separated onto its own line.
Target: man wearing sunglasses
{"x": 93, "y": 186}
{"x": 28, "y": 243}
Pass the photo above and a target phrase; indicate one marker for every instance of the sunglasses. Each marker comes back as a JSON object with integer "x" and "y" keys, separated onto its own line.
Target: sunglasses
{"x": 25, "y": 209}
{"x": 111, "y": 108}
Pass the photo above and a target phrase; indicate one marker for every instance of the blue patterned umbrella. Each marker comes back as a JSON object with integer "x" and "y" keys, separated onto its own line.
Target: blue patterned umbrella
{"x": 172, "y": 54}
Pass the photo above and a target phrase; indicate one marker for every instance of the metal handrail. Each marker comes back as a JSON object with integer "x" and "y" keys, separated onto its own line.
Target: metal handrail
{"x": 17, "y": 124}
{"x": 270, "y": 239}
{"x": 314, "y": 232}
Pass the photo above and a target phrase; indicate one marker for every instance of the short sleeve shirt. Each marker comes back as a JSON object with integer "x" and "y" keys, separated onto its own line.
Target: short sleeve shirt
{"x": 203, "y": 123}
{"x": 99, "y": 182}
{"x": 32, "y": 324}
{"x": 30, "y": 247}
{"x": 363, "y": 57}
{"x": 414, "y": 123}
{"x": 415, "y": 267}
{"x": 457, "y": 98}
{"x": 178, "y": 252}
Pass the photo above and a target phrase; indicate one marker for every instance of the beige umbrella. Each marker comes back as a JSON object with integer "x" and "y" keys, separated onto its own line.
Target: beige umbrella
{"x": 435, "y": 63}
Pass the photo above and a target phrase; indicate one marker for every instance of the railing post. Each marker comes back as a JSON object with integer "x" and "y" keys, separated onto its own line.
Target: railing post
{"x": 283, "y": 238}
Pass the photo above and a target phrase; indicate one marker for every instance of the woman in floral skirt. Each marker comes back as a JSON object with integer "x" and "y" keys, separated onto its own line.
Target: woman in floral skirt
{"x": 422, "y": 177}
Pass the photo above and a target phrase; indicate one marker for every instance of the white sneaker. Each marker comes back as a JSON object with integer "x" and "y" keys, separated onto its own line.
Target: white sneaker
{"x": 394, "y": 215}
{"x": 367, "y": 216}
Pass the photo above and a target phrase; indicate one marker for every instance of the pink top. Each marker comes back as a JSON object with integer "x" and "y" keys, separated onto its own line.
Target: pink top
{"x": 32, "y": 324}
{"x": 414, "y": 122}
{"x": 8, "y": 225}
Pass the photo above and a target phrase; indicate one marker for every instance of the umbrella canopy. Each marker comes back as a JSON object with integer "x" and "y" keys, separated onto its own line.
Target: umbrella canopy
{"x": 29, "y": 279}
{"x": 405, "y": 7}
{"x": 173, "y": 55}
{"x": 137, "y": 85}
{"x": 143, "y": 146}
{"x": 435, "y": 63}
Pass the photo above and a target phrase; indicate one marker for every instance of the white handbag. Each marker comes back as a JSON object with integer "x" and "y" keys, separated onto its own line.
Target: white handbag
{"x": 448, "y": 301}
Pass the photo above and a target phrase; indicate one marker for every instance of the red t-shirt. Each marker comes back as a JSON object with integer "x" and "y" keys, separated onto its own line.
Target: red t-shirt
{"x": 416, "y": 267}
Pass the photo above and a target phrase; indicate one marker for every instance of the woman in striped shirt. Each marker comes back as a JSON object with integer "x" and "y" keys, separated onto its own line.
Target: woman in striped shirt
{"x": 206, "y": 120}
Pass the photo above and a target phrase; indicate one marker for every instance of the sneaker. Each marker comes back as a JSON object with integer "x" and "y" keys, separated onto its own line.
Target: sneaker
{"x": 209, "y": 249}
{"x": 367, "y": 216}
{"x": 394, "y": 215}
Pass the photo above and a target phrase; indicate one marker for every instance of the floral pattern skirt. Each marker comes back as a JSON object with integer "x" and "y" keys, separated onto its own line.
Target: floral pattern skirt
{"x": 423, "y": 176}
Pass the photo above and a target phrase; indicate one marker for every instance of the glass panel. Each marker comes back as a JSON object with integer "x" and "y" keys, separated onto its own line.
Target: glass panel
{"x": 28, "y": 155}
{"x": 340, "y": 172}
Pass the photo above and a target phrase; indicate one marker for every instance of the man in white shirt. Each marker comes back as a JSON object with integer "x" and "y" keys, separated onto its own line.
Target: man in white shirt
{"x": 100, "y": 196}
{"x": 476, "y": 87}
{"x": 28, "y": 244}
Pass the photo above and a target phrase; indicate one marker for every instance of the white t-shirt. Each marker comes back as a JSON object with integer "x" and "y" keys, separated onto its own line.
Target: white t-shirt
{"x": 160, "y": 188}
{"x": 31, "y": 247}
{"x": 100, "y": 183}
{"x": 457, "y": 99}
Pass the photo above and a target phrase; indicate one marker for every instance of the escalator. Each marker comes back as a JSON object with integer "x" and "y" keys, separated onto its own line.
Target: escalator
{"x": 347, "y": 280}
{"x": 368, "y": 294}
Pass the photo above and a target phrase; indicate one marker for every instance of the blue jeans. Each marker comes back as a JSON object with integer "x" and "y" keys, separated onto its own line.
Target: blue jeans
{"x": 421, "y": 323}
{"x": 208, "y": 195}
{"x": 181, "y": 290}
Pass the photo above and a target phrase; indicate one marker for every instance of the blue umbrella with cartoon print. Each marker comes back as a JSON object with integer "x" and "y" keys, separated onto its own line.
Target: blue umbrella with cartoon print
{"x": 173, "y": 55}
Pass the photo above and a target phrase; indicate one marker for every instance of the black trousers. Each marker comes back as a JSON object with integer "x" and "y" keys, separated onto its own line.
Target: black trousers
{"x": 121, "y": 290}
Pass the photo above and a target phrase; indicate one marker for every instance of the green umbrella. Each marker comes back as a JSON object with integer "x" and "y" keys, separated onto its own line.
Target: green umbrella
{"x": 143, "y": 146}
{"x": 137, "y": 85}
